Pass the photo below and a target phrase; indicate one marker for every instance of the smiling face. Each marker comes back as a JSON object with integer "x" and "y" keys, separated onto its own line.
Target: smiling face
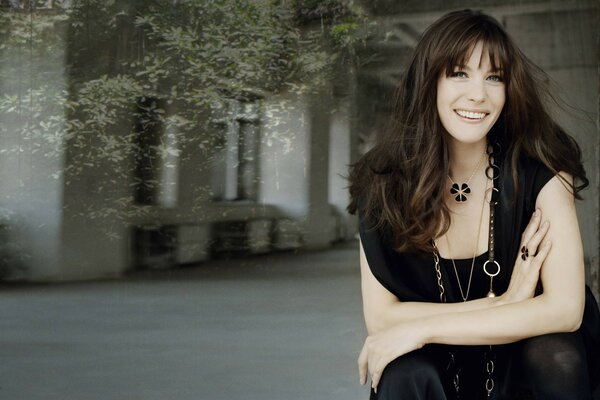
{"x": 470, "y": 99}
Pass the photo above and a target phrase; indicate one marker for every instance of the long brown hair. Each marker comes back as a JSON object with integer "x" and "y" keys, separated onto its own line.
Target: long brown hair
{"x": 400, "y": 182}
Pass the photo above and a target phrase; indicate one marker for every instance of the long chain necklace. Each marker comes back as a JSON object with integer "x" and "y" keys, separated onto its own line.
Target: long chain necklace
{"x": 461, "y": 191}
{"x": 493, "y": 170}
{"x": 465, "y": 296}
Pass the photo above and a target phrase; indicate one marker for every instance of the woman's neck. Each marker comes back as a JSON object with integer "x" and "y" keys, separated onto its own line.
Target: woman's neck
{"x": 464, "y": 158}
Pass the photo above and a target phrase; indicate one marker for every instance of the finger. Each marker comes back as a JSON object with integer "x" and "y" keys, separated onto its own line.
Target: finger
{"x": 378, "y": 371}
{"x": 362, "y": 365}
{"x": 375, "y": 381}
{"x": 542, "y": 253}
{"x": 536, "y": 239}
{"x": 374, "y": 358}
{"x": 532, "y": 227}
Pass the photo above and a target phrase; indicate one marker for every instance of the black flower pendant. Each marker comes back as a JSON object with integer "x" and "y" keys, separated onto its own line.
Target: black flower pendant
{"x": 460, "y": 192}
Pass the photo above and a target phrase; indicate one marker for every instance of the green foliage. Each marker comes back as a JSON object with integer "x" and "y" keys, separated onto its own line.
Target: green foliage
{"x": 330, "y": 11}
{"x": 189, "y": 55}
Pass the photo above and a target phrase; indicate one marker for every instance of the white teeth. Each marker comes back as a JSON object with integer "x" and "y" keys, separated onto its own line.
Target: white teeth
{"x": 470, "y": 115}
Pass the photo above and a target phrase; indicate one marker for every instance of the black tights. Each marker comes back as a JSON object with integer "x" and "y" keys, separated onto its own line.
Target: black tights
{"x": 547, "y": 367}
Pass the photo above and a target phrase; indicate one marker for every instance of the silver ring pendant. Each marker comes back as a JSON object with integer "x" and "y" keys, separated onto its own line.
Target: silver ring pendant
{"x": 485, "y": 268}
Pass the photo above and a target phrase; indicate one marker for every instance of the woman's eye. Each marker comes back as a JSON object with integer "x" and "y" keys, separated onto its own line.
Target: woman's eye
{"x": 458, "y": 74}
{"x": 495, "y": 78}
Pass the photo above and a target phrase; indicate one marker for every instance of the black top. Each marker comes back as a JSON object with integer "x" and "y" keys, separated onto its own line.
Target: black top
{"x": 480, "y": 282}
{"x": 411, "y": 276}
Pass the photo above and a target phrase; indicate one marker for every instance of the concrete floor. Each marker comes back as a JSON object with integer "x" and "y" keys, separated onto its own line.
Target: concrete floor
{"x": 282, "y": 326}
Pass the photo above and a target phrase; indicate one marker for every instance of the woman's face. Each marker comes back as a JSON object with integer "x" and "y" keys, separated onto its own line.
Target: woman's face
{"x": 470, "y": 100}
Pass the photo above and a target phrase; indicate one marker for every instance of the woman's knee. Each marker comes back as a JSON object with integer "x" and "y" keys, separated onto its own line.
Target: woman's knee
{"x": 414, "y": 376}
{"x": 560, "y": 355}
{"x": 554, "y": 366}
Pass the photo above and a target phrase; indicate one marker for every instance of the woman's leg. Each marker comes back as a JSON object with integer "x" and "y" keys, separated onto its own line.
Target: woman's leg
{"x": 549, "y": 367}
{"x": 413, "y": 376}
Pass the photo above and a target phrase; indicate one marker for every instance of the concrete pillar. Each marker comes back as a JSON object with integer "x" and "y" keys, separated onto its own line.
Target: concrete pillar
{"x": 354, "y": 133}
{"x": 284, "y": 154}
{"x": 96, "y": 243}
{"x": 319, "y": 222}
{"x": 343, "y": 148}
{"x": 31, "y": 156}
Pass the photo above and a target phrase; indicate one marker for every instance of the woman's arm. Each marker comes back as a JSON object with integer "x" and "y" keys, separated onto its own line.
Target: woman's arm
{"x": 558, "y": 309}
{"x": 383, "y": 310}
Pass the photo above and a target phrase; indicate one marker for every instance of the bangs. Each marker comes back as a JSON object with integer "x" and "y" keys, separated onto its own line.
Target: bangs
{"x": 457, "y": 46}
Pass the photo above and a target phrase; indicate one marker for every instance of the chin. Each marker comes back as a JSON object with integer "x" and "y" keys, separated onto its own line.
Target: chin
{"x": 470, "y": 139}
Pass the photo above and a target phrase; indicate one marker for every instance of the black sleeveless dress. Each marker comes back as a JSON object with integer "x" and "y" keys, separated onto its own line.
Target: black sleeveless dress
{"x": 411, "y": 277}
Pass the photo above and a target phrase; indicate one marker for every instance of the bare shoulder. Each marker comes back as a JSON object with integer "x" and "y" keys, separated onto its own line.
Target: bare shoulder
{"x": 557, "y": 203}
{"x": 557, "y": 192}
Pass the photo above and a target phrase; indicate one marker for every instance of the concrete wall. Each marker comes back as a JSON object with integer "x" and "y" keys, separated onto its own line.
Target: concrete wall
{"x": 565, "y": 45}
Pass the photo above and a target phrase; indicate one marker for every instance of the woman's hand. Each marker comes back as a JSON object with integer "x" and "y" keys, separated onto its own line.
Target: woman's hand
{"x": 526, "y": 273}
{"x": 383, "y": 347}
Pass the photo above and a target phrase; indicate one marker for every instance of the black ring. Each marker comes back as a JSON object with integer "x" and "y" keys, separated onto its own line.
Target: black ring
{"x": 493, "y": 198}
{"x": 524, "y": 253}
{"x": 493, "y": 148}
{"x": 495, "y": 171}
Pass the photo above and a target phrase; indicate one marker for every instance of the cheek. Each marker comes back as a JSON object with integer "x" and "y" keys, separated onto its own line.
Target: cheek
{"x": 442, "y": 99}
{"x": 500, "y": 99}
{"x": 438, "y": 104}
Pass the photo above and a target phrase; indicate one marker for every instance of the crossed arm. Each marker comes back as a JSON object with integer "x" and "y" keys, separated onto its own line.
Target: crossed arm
{"x": 396, "y": 328}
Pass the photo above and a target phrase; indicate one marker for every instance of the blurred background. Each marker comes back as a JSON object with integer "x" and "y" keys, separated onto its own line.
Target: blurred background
{"x": 172, "y": 191}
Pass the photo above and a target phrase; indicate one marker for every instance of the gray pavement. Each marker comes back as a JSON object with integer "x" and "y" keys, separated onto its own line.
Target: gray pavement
{"x": 283, "y": 326}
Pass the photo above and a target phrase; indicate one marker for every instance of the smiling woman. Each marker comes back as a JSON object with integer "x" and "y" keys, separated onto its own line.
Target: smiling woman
{"x": 470, "y": 98}
{"x": 471, "y": 258}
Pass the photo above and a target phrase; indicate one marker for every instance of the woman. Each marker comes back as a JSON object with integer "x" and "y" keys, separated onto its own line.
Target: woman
{"x": 472, "y": 267}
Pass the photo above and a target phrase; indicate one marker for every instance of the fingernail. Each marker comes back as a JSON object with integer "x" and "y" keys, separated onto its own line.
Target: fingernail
{"x": 535, "y": 213}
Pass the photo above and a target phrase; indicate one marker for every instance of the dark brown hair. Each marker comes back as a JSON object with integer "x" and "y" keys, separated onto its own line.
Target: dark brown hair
{"x": 400, "y": 182}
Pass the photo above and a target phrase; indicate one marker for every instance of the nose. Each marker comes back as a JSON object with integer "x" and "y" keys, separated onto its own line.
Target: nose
{"x": 476, "y": 92}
